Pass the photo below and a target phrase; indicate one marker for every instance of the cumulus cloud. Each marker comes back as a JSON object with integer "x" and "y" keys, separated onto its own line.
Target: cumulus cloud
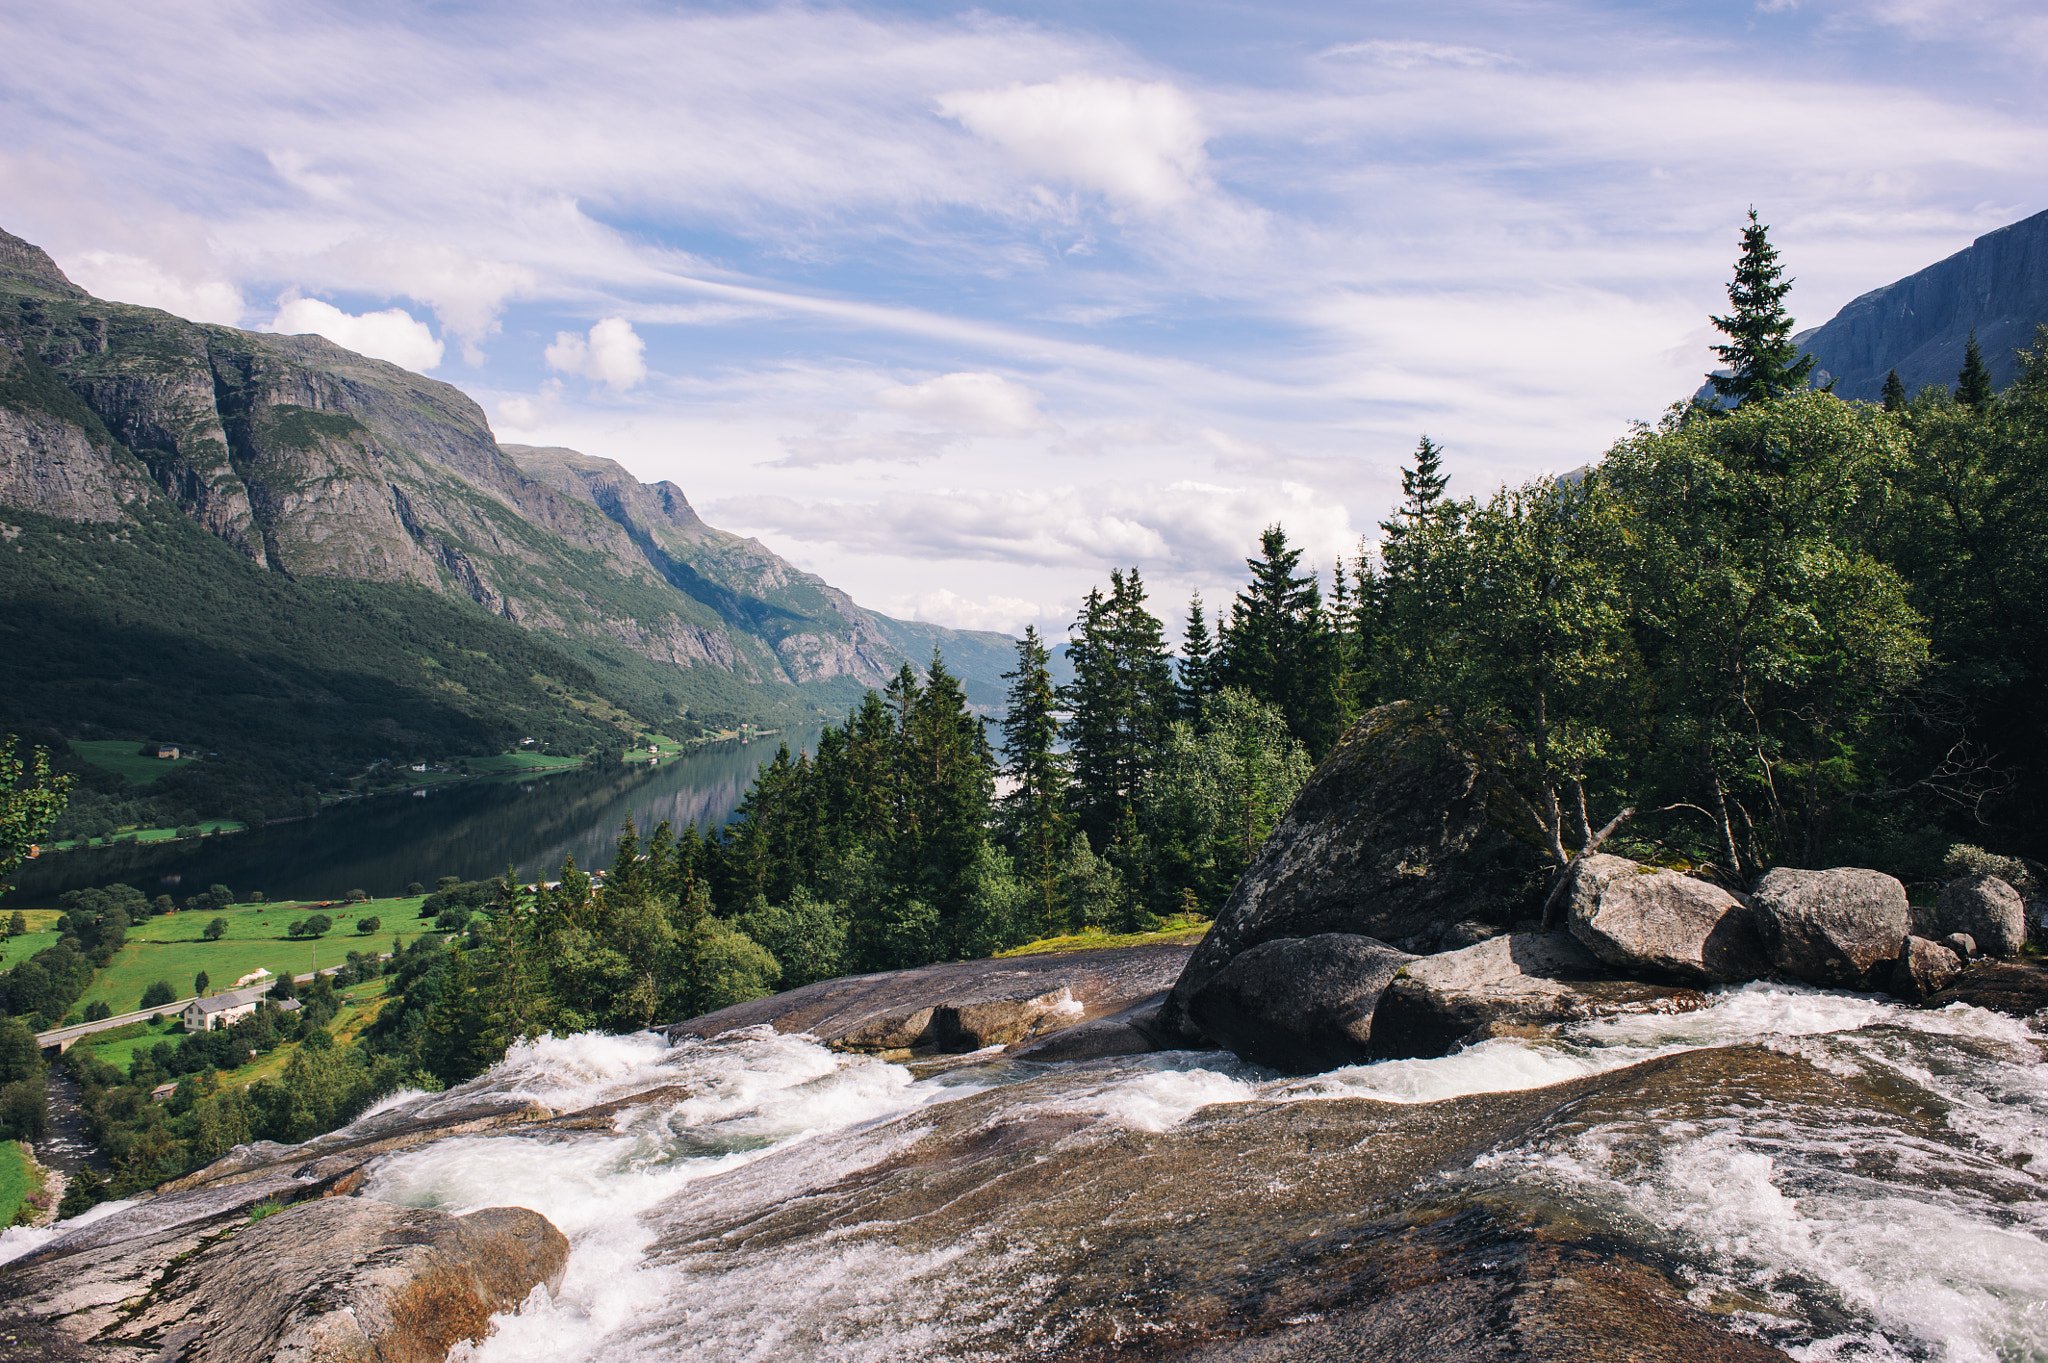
{"x": 1140, "y": 142}
{"x": 393, "y": 334}
{"x": 970, "y": 403}
{"x": 612, "y": 354}
{"x": 125, "y": 278}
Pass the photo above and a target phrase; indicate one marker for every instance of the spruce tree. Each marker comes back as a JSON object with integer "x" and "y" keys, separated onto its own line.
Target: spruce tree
{"x": 1281, "y": 647}
{"x": 1422, "y": 492}
{"x": 1034, "y": 811}
{"x": 1894, "y": 393}
{"x": 1119, "y": 703}
{"x": 1761, "y": 359}
{"x": 1196, "y": 664}
{"x": 1973, "y": 381}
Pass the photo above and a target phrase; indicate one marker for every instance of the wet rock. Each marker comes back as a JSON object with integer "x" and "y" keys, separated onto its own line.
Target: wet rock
{"x": 2019, "y": 988}
{"x": 1523, "y": 981}
{"x": 340, "y": 1280}
{"x": 1962, "y": 944}
{"x": 1641, "y": 920}
{"x": 1841, "y": 928}
{"x": 1395, "y": 837}
{"x": 1989, "y": 910}
{"x": 1298, "y": 1004}
{"x": 1924, "y": 969}
{"x": 1133, "y": 1031}
{"x": 1471, "y": 932}
{"x": 960, "y": 1006}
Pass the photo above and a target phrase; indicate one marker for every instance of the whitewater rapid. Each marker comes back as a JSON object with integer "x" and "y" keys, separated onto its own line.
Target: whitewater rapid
{"x": 1845, "y": 1238}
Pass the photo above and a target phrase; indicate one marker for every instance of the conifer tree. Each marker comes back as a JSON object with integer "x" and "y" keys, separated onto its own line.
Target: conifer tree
{"x": 1422, "y": 493}
{"x": 1034, "y": 811}
{"x": 1280, "y": 646}
{"x": 1119, "y": 703}
{"x": 1973, "y": 381}
{"x": 1196, "y": 662}
{"x": 1894, "y": 392}
{"x": 1761, "y": 359}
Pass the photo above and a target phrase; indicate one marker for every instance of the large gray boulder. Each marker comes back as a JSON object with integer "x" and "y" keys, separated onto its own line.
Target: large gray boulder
{"x": 1924, "y": 969}
{"x": 1299, "y": 1004}
{"x": 1396, "y": 836}
{"x": 1989, "y": 910}
{"x": 1641, "y": 920}
{"x": 1841, "y": 928}
{"x": 1507, "y": 986}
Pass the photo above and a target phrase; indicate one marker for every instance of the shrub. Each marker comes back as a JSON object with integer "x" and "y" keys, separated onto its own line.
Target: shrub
{"x": 190, "y": 830}
{"x": 316, "y": 926}
{"x": 159, "y": 994}
{"x": 1965, "y": 860}
{"x": 98, "y": 1009}
{"x": 366, "y": 926}
{"x": 215, "y": 930}
{"x": 358, "y": 896}
{"x": 414, "y": 887}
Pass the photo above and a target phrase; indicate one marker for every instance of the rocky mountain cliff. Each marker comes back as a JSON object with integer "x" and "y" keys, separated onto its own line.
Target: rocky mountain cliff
{"x": 318, "y": 463}
{"x": 1997, "y": 287}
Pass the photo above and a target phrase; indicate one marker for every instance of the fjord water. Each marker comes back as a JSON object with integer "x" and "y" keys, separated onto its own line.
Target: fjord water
{"x": 1837, "y": 1174}
{"x": 472, "y": 829}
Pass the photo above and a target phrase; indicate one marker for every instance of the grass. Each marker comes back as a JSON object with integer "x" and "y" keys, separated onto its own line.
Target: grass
{"x": 14, "y": 1181}
{"x": 121, "y": 757}
{"x": 117, "y": 1046}
{"x": 22, "y": 947}
{"x": 360, "y": 1006}
{"x": 1095, "y": 939}
{"x": 205, "y": 826}
{"x": 169, "y": 947}
{"x": 521, "y": 761}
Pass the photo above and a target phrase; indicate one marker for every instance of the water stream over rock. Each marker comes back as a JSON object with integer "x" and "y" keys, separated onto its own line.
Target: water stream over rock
{"x": 1829, "y": 1175}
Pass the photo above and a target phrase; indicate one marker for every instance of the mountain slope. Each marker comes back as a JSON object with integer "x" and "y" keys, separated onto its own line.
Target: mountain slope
{"x": 1996, "y": 286}
{"x": 315, "y": 463}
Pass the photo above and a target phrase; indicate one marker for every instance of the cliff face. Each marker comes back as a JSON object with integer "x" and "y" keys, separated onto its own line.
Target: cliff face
{"x": 1997, "y": 286}
{"x": 317, "y": 462}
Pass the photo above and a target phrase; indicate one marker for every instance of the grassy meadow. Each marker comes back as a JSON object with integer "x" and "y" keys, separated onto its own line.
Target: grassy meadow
{"x": 117, "y": 1046}
{"x": 14, "y": 1180}
{"x": 122, "y": 757}
{"x": 1095, "y": 939}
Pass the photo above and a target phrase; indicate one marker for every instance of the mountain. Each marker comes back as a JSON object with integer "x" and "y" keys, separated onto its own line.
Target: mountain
{"x": 284, "y": 479}
{"x": 1996, "y": 286}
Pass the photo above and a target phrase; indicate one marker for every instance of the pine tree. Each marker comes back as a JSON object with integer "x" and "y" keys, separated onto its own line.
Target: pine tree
{"x": 1119, "y": 703}
{"x": 1034, "y": 811}
{"x": 1196, "y": 664}
{"x": 1281, "y": 647}
{"x": 1894, "y": 393}
{"x": 1973, "y": 381}
{"x": 1761, "y": 359}
{"x": 1422, "y": 493}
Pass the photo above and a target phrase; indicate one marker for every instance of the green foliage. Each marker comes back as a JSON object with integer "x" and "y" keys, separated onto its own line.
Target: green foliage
{"x": 318, "y": 925}
{"x": 30, "y": 798}
{"x": 806, "y": 937}
{"x": 1282, "y": 649}
{"x": 1973, "y": 381}
{"x": 1761, "y": 358}
{"x": 1119, "y": 703}
{"x": 215, "y": 929}
{"x": 366, "y": 926}
{"x": 1033, "y": 814}
{"x": 159, "y": 994}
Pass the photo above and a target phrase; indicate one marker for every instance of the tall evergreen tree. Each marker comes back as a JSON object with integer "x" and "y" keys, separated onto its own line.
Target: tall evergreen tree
{"x": 1973, "y": 381}
{"x": 1761, "y": 359}
{"x": 1894, "y": 392}
{"x": 1422, "y": 492}
{"x": 1034, "y": 810}
{"x": 1281, "y": 647}
{"x": 1119, "y": 703}
{"x": 1196, "y": 662}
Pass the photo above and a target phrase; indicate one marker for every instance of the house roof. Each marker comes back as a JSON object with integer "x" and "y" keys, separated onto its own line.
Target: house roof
{"x": 231, "y": 998}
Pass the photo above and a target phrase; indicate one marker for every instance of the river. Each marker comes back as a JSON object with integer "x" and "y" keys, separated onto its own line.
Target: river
{"x": 471, "y": 829}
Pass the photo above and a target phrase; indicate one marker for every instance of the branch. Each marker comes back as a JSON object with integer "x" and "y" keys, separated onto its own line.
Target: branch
{"x": 1566, "y": 874}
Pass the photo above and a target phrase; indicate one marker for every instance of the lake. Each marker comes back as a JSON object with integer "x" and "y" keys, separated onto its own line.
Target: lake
{"x": 472, "y": 829}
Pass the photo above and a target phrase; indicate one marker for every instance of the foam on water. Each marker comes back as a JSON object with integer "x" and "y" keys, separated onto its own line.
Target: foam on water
{"x": 1892, "y": 1242}
{"x": 16, "y": 1241}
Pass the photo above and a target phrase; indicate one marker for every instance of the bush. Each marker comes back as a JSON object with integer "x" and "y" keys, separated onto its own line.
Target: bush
{"x": 219, "y": 897}
{"x": 190, "y": 830}
{"x": 215, "y": 930}
{"x": 453, "y": 919}
{"x": 1965, "y": 860}
{"x": 158, "y": 994}
{"x": 316, "y": 926}
{"x": 358, "y": 896}
{"x": 97, "y": 1010}
{"x": 414, "y": 887}
{"x": 85, "y": 1191}
{"x": 366, "y": 926}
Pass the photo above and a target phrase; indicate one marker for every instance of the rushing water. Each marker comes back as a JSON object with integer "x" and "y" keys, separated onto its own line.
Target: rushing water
{"x": 472, "y": 829}
{"x": 1898, "y": 1214}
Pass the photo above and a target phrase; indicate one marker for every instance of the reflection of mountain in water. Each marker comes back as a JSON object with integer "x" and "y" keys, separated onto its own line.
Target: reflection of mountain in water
{"x": 472, "y": 829}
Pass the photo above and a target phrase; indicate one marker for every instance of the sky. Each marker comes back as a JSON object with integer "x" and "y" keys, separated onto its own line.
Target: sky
{"x": 962, "y": 307}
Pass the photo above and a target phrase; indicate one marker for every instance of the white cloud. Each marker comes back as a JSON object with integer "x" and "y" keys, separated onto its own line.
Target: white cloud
{"x": 1404, "y": 53}
{"x": 1137, "y": 142}
{"x": 393, "y": 334}
{"x": 613, "y": 354}
{"x": 122, "y": 278}
{"x": 970, "y": 403}
{"x": 883, "y": 447}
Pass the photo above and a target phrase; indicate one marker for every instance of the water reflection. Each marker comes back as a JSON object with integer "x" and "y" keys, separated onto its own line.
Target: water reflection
{"x": 471, "y": 829}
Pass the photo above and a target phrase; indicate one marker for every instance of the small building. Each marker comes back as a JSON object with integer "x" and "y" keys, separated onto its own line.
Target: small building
{"x": 220, "y": 1010}
{"x": 169, "y": 751}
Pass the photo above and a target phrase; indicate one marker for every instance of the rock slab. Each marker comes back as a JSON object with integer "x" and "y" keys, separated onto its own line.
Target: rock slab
{"x": 1989, "y": 910}
{"x": 1506, "y": 986}
{"x": 1299, "y": 1004}
{"x": 1841, "y": 928}
{"x": 1642, "y": 920}
{"x": 1394, "y": 837}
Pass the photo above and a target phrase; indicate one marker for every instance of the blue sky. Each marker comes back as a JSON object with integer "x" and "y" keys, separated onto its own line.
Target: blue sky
{"x": 961, "y": 307}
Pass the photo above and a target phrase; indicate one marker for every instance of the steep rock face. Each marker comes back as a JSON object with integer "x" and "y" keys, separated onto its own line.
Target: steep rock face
{"x": 318, "y": 462}
{"x": 1393, "y": 837}
{"x": 1997, "y": 286}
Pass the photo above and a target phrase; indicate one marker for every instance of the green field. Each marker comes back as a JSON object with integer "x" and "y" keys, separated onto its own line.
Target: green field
{"x": 207, "y": 826}
{"x": 170, "y": 948}
{"x": 521, "y": 761}
{"x": 21, "y": 948}
{"x": 14, "y": 1184}
{"x": 117, "y": 1047}
{"x": 1094, "y": 939}
{"x": 123, "y": 758}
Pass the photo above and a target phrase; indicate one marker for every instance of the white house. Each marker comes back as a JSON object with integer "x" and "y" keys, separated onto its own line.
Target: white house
{"x": 219, "y": 1010}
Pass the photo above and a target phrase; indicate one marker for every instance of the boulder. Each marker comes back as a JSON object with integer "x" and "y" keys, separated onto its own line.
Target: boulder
{"x": 1644, "y": 921}
{"x": 1298, "y": 1004}
{"x": 2018, "y": 988}
{"x": 335, "y": 1280}
{"x": 1924, "y": 969}
{"x": 1506, "y": 986}
{"x": 1132, "y": 1031}
{"x": 1841, "y": 928}
{"x": 1961, "y": 943}
{"x": 1988, "y": 909}
{"x": 1397, "y": 836}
